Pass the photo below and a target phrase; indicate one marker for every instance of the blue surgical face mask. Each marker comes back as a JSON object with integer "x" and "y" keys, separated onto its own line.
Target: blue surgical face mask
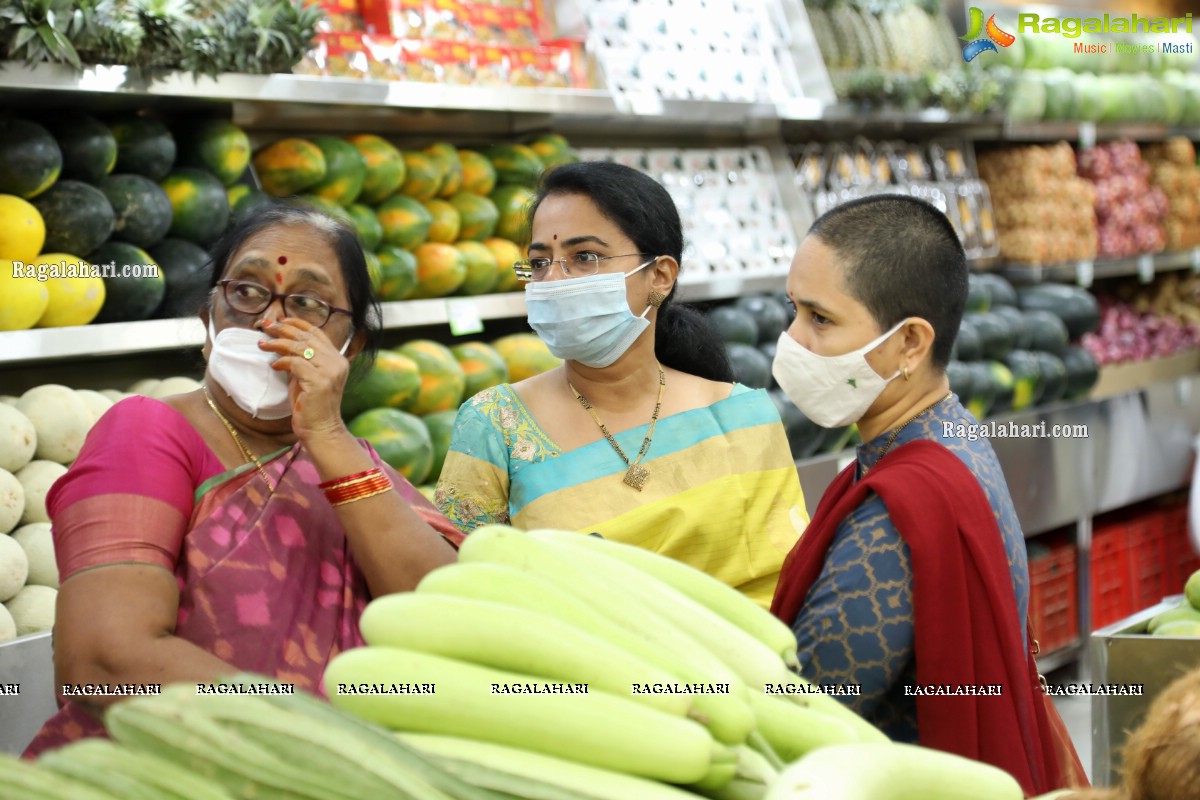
{"x": 587, "y": 320}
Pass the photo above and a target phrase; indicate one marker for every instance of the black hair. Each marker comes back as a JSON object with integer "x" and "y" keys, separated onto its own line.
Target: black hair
{"x": 341, "y": 237}
{"x": 644, "y": 211}
{"x": 901, "y": 258}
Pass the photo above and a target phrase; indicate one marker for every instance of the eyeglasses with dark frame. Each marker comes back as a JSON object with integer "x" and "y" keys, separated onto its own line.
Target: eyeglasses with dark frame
{"x": 248, "y": 297}
{"x": 578, "y": 265}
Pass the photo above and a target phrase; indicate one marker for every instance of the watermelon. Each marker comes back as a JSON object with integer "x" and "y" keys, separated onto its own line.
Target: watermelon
{"x": 441, "y": 270}
{"x": 1021, "y": 331}
{"x": 446, "y": 157}
{"x": 512, "y": 203}
{"x": 967, "y": 346}
{"x": 482, "y": 367}
{"x": 446, "y": 221}
{"x": 392, "y": 382}
{"x": 804, "y": 435}
{"x": 289, "y": 166}
{"x": 78, "y": 217}
{"x": 245, "y": 201}
{"x": 366, "y": 224}
{"x": 1004, "y": 385}
{"x": 398, "y": 273}
{"x": 30, "y": 160}
{"x": 482, "y": 270}
{"x": 405, "y": 221}
{"x": 144, "y": 147}
{"x": 1000, "y": 291}
{"x": 733, "y": 325}
{"x": 515, "y": 164}
{"x": 345, "y": 171}
{"x": 1026, "y": 377}
{"x": 200, "y": 205}
{"x": 128, "y": 298}
{"x": 400, "y": 439}
{"x": 1082, "y": 372}
{"x": 385, "y": 168}
{"x": 442, "y": 379}
{"x": 441, "y": 429}
{"x": 962, "y": 380}
{"x": 979, "y": 293}
{"x": 995, "y": 333}
{"x": 984, "y": 388}
{"x": 142, "y": 211}
{"x": 186, "y": 272}
{"x": 218, "y": 146}
{"x": 1047, "y": 332}
{"x": 506, "y": 254}
{"x": 478, "y": 215}
{"x": 1075, "y": 306}
{"x": 769, "y": 316}
{"x": 479, "y": 176}
{"x": 526, "y": 355}
{"x": 750, "y": 367}
{"x": 423, "y": 178}
{"x": 1053, "y": 377}
{"x": 89, "y": 149}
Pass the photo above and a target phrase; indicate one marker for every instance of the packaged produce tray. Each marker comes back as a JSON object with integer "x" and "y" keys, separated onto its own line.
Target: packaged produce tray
{"x": 1123, "y": 654}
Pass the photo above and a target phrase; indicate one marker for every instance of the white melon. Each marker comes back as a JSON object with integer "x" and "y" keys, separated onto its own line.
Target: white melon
{"x": 114, "y": 395}
{"x": 172, "y": 386}
{"x": 38, "y": 543}
{"x": 96, "y": 403}
{"x": 33, "y": 609}
{"x": 12, "y": 501}
{"x": 37, "y": 478}
{"x": 14, "y": 567}
{"x": 8, "y": 399}
{"x": 61, "y": 419}
{"x": 8, "y": 628}
{"x": 144, "y": 387}
{"x": 18, "y": 438}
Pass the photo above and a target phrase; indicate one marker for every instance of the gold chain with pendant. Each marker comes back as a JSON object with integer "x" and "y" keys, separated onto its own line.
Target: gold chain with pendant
{"x": 237, "y": 439}
{"x": 896, "y": 431}
{"x": 636, "y": 475}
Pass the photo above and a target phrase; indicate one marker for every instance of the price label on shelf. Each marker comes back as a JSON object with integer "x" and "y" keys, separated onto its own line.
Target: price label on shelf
{"x": 464, "y": 316}
{"x": 1087, "y": 135}
{"x": 1145, "y": 268}
{"x": 1196, "y": 260}
{"x": 1085, "y": 273}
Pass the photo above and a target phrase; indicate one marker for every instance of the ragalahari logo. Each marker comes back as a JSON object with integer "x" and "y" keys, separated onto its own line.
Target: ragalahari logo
{"x": 976, "y": 45}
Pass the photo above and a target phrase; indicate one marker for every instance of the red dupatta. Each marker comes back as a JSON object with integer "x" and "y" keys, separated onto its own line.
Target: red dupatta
{"x": 965, "y": 626}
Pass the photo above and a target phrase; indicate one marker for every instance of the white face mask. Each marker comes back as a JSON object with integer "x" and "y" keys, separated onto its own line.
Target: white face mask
{"x": 832, "y": 391}
{"x": 244, "y": 371}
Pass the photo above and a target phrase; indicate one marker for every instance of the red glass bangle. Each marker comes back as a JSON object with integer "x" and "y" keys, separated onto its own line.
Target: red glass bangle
{"x": 349, "y": 478}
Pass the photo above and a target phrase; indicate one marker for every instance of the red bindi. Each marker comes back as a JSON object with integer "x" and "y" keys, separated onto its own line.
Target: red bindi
{"x": 283, "y": 259}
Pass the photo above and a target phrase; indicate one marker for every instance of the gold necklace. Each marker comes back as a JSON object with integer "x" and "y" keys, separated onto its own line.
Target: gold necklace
{"x": 636, "y": 475}
{"x": 246, "y": 454}
{"x": 896, "y": 431}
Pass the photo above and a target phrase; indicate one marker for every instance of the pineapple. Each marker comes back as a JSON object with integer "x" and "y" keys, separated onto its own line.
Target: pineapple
{"x": 822, "y": 31}
{"x": 163, "y": 24}
{"x": 106, "y": 32}
{"x": 34, "y": 31}
{"x": 252, "y": 36}
{"x": 843, "y": 24}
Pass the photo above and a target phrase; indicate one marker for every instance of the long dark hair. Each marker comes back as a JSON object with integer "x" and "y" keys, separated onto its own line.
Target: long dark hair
{"x": 340, "y": 236}
{"x": 644, "y": 211}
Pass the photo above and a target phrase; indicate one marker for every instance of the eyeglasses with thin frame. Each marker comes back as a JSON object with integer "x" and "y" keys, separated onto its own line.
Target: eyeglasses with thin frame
{"x": 248, "y": 297}
{"x": 577, "y": 265}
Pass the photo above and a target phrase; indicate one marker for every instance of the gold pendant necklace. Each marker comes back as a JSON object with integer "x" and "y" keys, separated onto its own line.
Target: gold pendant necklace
{"x": 246, "y": 454}
{"x": 896, "y": 431}
{"x": 636, "y": 475}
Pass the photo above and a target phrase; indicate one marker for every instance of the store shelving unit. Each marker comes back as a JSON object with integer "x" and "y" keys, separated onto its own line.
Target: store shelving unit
{"x": 1084, "y": 273}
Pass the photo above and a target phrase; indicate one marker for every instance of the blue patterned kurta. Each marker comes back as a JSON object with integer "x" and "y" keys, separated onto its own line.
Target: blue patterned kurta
{"x": 856, "y": 624}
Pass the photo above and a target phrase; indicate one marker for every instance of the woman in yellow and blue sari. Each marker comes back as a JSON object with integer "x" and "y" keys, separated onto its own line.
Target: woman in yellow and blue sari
{"x": 641, "y": 435}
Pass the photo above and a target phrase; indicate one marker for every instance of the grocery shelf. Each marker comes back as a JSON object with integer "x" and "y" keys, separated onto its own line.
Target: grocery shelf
{"x": 1085, "y": 273}
{"x": 1088, "y": 133}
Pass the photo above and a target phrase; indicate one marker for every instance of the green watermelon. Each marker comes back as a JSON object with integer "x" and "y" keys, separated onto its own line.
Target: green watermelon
{"x": 398, "y": 273}
{"x": 769, "y": 316}
{"x": 1082, "y": 372}
{"x": 962, "y": 380}
{"x": 1074, "y": 305}
{"x": 30, "y": 159}
{"x": 186, "y": 271}
{"x": 804, "y": 436}
{"x": 1000, "y": 291}
{"x": 89, "y": 149}
{"x": 995, "y": 333}
{"x": 1047, "y": 332}
{"x": 441, "y": 428}
{"x": 345, "y": 171}
{"x": 1026, "y": 377}
{"x": 967, "y": 346}
{"x": 200, "y": 204}
{"x": 482, "y": 367}
{"x": 442, "y": 379}
{"x": 1021, "y": 332}
{"x": 1053, "y": 377}
{"x": 515, "y": 164}
{"x": 218, "y": 146}
{"x": 750, "y": 367}
{"x": 400, "y": 439}
{"x": 513, "y": 204}
{"x": 984, "y": 389}
{"x": 479, "y": 216}
{"x": 979, "y": 293}
{"x": 78, "y": 217}
{"x": 144, "y": 147}
{"x": 244, "y": 201}
{"x": 1004, "y": 385}
{"x": 733, "y": 325}
{"x": 128, "y": 298}
{"x": 370, "y": 232}
{"x": 141, "y": 209}
{"x": 392, "y": 381}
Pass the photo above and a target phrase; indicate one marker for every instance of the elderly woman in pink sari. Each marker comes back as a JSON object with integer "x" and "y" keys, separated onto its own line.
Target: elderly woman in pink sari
{"x": 239, "y": 527}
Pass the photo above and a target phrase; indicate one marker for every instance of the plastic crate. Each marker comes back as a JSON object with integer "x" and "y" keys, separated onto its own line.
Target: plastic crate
{"x": 1053, "y": 597}
{"x": 1181, "y": 559}
{"x": 1112, "y": 594}
{"x": 1149, "y": 573}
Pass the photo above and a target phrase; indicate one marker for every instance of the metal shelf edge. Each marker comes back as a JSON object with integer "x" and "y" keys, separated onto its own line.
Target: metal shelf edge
{"x": 1108, "y": 268}
{"x": 1061, "y": 657}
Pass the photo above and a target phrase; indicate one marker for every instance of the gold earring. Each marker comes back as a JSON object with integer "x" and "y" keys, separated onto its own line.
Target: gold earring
{"x": 905, "y": 372}
{"x": 656, "y": 299}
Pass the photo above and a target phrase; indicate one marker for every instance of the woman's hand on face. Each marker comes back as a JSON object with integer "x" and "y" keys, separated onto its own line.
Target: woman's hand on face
{"x": 316, "y": 384}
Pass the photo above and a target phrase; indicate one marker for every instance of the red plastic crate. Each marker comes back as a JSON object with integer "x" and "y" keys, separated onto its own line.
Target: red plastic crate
{"x": 1149, "y": 572}
{"x": 1182, "y": 560}
{"x": 1053, "y": 598}
{"x": 1112, "y": 594}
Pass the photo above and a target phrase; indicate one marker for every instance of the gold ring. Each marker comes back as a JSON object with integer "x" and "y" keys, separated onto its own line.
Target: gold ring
{"x": 308, "y": 353}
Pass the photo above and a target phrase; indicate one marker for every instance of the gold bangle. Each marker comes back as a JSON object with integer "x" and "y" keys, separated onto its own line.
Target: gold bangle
{"x": 356, "y": 498}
